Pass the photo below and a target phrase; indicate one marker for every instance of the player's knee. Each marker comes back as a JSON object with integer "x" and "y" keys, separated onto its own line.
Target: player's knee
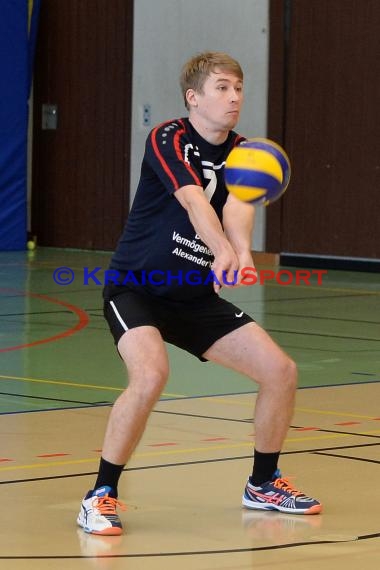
{"x": 156, "y": 380}
{"x": 150, "y": 382}
{"x": 283, "y": 374}
{"x": 289, "y": 373}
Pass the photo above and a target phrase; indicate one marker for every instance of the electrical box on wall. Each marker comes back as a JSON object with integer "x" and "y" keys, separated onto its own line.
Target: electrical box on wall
{"x": 49, "y": 117}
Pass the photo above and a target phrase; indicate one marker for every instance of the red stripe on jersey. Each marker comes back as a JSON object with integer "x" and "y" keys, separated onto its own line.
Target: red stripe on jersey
{"x": 162, "y": 160}
{"x": 238, "y": 139}
{"x": 178, "y": 151}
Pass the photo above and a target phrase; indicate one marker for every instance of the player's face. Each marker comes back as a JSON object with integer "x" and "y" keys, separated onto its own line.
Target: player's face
{"x": 220, "y": 102}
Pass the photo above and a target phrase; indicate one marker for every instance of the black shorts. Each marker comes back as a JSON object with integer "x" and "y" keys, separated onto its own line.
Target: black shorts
{"x": 191, "y": 325}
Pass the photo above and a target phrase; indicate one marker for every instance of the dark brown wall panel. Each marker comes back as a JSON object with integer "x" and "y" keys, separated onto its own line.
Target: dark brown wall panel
{"x": 81, "y": 170}
{"x": 331, "y": 128}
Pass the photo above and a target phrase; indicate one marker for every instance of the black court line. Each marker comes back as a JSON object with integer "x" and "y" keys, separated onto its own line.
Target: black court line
{"x": 61, "y": 409}
{"x": 348, "y": 457}
{"x": 106, "y": 403}
{"x": 59, "y": 311}
{"x": 202, "y": 416}
{"x": 328, "y": 350}
{"x": 194, "y": 552}
{"x": 52, "y": 399}
{"x": 252, "y": 392}
{"x": 63, "y": 290}
{"x": 19, "y": 320}
{"x": 327, "y": 318}
{"x": 251, "y": 420}
{"x": 54, "y": 324}
{"x": 324, "y": 335}
{"x": 359, "y": 434}
{"x": 29, "y": 313}
{"x": 203, "y": 396}
{"x": 309, "y": 298}
{"x": 185, "y": 463}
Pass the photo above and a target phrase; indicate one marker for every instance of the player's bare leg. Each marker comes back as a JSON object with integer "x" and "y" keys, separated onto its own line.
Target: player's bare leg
{"x": 250, "y": 351}
{"x": 145, "y": 355}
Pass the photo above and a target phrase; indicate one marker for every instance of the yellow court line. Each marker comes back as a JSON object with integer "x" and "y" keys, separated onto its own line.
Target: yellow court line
{"x": 74, "y": 384}
{"x": 243, "y": 444}
{"x": 333, "y": 413}
{"x": 214, "y": 399}
{"x": 59, "y": 382}
{"x": 222, "y": 400}
{"x": 160, "y": 453}
{"x": 50, "y": 464}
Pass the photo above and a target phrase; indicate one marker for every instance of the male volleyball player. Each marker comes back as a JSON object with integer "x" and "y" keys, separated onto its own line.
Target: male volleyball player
{"x": 182, "y": 221}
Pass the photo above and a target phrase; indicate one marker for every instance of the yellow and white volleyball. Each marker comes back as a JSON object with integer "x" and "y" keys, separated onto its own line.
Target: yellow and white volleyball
{"x": 257, "y": 171}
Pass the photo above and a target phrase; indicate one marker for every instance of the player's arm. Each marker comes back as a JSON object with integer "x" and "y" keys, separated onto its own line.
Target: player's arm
{"x": 238, "y": 223}
{"x": 207, "y": 225}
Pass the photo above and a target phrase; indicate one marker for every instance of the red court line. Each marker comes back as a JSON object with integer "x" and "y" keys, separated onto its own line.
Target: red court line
{"x": 83, "y": 320}
{"x": 53, "y": 455}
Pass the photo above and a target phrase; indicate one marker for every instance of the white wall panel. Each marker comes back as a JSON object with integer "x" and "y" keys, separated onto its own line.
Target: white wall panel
{"x": 166, "y": 34}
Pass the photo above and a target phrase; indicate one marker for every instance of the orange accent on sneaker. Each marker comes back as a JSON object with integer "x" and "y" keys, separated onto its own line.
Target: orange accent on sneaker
{"x": 110, "y": 531}
{"x": 284, "y": 484}
{"x": 315, "y": 510}
{"x": 107, "y": 505}
{"x": 275, "y": 499}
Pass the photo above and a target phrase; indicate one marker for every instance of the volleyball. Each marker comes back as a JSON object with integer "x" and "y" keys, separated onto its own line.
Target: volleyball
{"x": 257, "y": 171}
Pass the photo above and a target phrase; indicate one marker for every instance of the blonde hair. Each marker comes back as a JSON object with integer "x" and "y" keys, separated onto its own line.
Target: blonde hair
{"x": 195, "y": 71}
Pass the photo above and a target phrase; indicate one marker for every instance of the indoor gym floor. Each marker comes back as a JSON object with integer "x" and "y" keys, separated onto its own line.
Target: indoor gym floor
{"x": 59, "y": 374}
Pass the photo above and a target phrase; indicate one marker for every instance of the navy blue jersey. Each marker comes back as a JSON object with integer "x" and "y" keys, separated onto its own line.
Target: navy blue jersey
{"x": 159, "y": 250}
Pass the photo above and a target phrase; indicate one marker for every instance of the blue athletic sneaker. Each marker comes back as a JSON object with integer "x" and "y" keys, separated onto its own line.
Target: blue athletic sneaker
{"x": 279, "y": 495}
{"x": 98, "y": 512}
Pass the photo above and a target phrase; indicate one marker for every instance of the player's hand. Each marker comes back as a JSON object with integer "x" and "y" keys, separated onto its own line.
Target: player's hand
{"x": 245, "y": 260}
{"x": 225, "y": 268}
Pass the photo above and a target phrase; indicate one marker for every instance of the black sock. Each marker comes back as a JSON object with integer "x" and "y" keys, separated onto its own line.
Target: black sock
{"x": 108, "y": 474}
{"x": 264, "y": 467}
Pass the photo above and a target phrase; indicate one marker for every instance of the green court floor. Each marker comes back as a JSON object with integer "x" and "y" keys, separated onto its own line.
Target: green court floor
{"x": 56, "y": 351}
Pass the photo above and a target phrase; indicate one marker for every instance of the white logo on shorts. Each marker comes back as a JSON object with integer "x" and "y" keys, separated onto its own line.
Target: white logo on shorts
{"x": 239, "y": 315}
